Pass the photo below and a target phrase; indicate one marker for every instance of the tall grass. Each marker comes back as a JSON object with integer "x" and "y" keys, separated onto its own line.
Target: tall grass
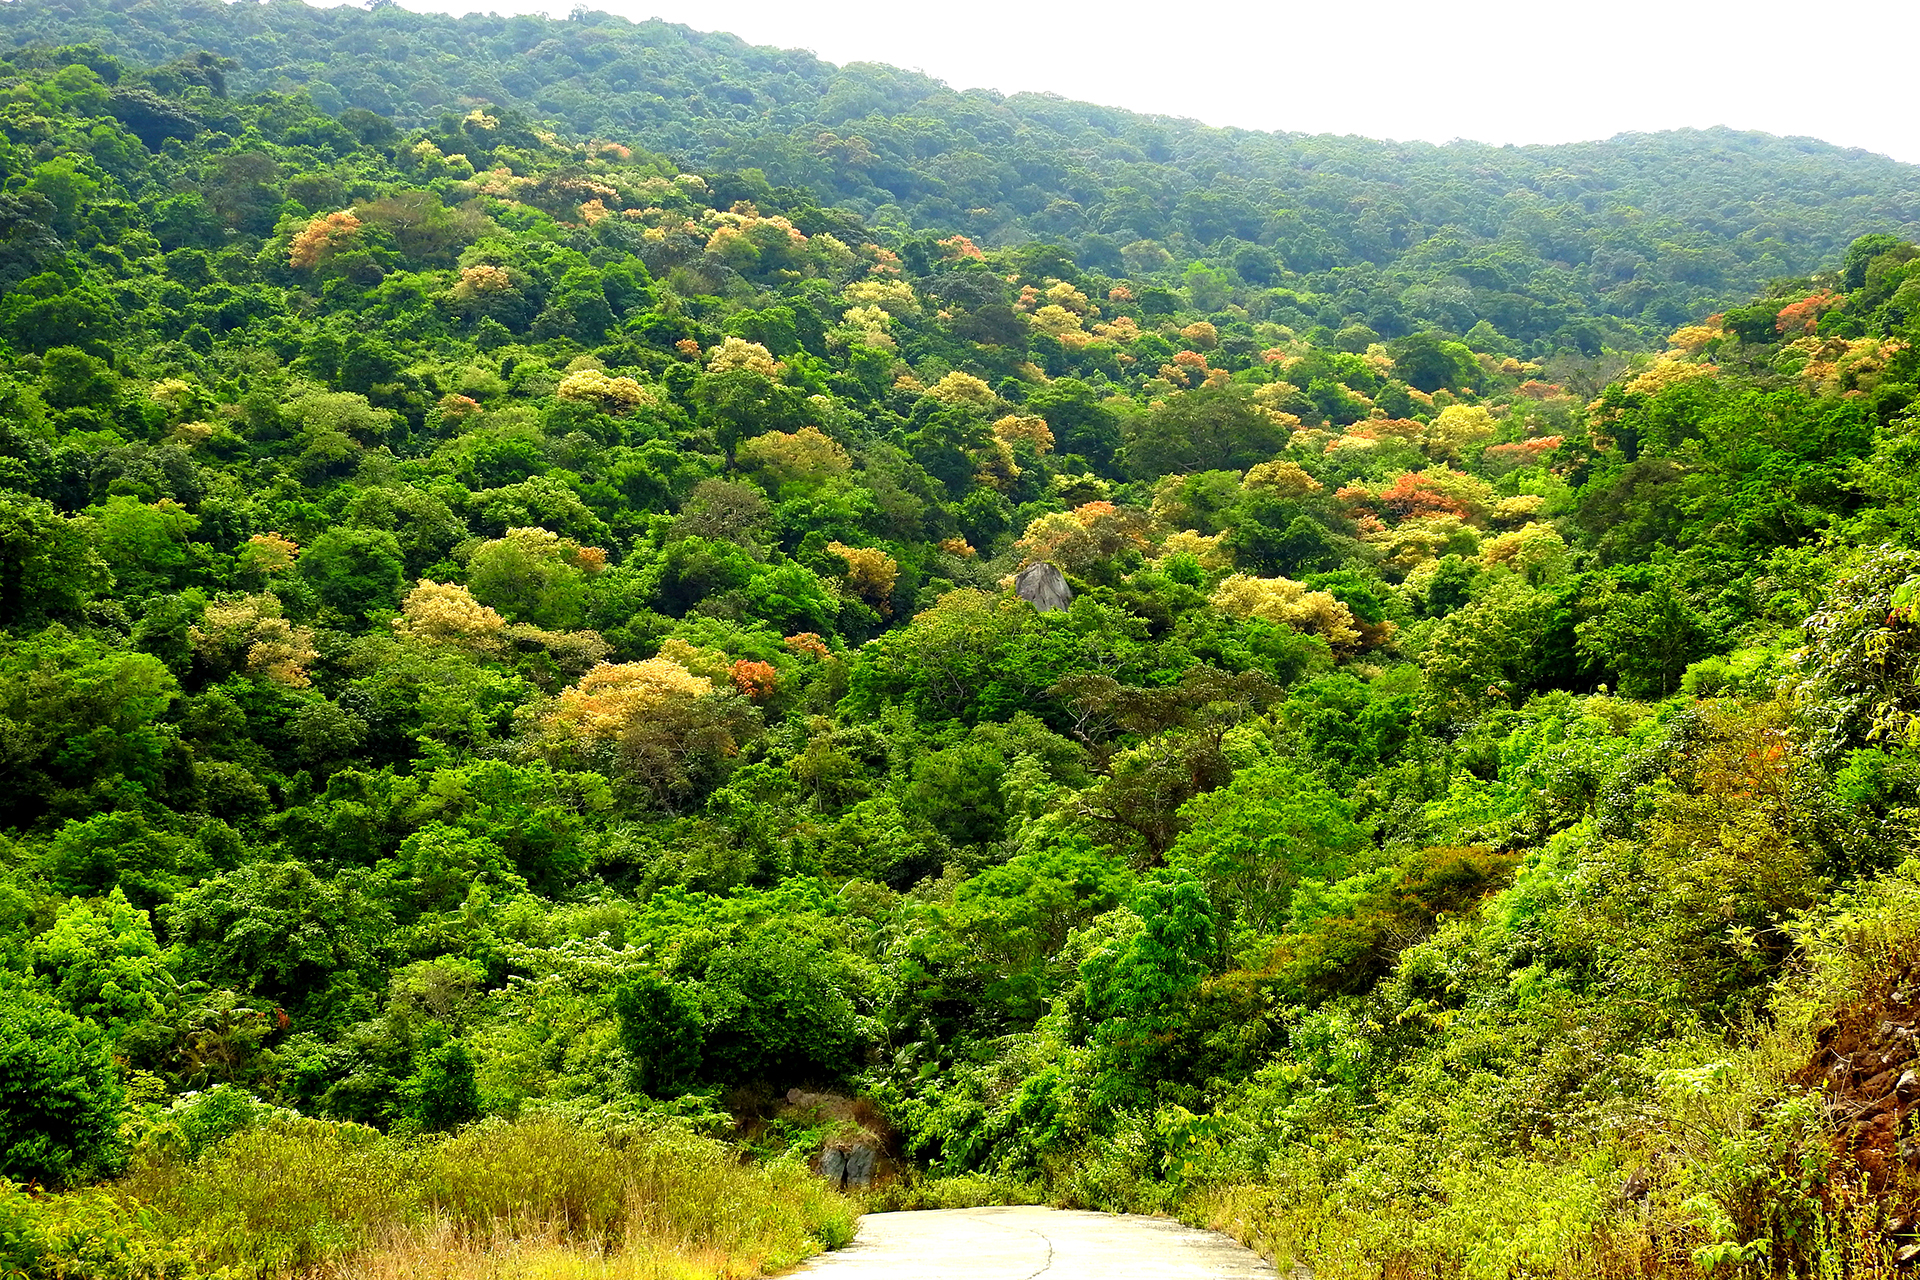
{"x": 541, "y": 1196}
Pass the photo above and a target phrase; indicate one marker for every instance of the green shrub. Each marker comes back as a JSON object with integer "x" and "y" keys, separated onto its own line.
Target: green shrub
{"x": 286, "y": 1194}
{"x": 63, "y": 1102}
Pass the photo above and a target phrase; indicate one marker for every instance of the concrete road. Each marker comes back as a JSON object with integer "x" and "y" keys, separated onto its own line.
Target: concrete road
{"x": 1026, "y": 1243}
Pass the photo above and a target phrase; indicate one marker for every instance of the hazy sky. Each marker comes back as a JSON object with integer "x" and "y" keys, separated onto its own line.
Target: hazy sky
{"x": 1492, "y": 70}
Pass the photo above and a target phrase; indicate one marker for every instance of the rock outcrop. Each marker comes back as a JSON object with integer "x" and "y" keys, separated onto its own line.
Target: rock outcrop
{"x": 854, "y": 1155}
{"x": 1044, "y": 587}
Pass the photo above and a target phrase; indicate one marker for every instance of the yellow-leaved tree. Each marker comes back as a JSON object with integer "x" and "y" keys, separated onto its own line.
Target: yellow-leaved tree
{"x": 1209, "y": 552}
{"x": 1056, "y": 320}
{"x": 661, "y": 733}
{"x": 1028, "y": 429}
{"x": 322, "y": 239}
{"x": 1282, "y": 480}
{"x": 1290, "y": 603}
{"x": 895, "y": 297}
{"x": 1200, "y": 336}
{"x": 870, "y": 574}
{"x": 265, "y": 554}
{"x": 804, "y": 457}
{"x": 1537, "y": 550}
{"x": 251, "y": 634}
{"x": 1455, "y": 429}
{"x": 609, "y": 699}
{"x": 1075, "y": 541}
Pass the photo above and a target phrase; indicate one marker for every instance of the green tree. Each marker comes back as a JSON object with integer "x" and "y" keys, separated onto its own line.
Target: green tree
{"x": 148, "y": 544}
{"x": 64, "y": 184}
{"x": 48, "y": 564}
{"x": 1430, "y": 361}
{"x": 958, "y": 791}
{"x": 354, "y": 571}
{"x": 279, "y": 930}
{"x": 443, "y": 1091}
{"x": 778, "y": 1007}
{"x": 662, "y": 1032}
{"x": 1203, "y": 430}
{"x": 1647, "y": 637}
{"x": 745, "y": 402}
{"x": 531, "y": 576}
{"x": 102, "y": 961}
{"x": 46, "y": 311}
{"x": 83, "y": 721}
{"x": 1860, "y": 255}
{"x": 1140, "y": 983}
{"x": 438, "y": 866}
{"x": 72, "y": 379}
{"x": 1253, "y": 840}
{"x": 61, "y": 1122}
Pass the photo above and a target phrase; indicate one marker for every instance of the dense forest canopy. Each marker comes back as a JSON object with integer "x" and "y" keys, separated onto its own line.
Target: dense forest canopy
{"x": 1611, "y": 243}
{"x": 513, "y": 693}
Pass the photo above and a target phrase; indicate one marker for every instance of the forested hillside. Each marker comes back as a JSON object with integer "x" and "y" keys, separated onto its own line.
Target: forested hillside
{"x": 1576, "y": 246}
{"x": 510, "y": 684}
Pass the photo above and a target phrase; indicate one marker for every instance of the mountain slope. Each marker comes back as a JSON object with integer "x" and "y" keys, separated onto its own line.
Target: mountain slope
{"x": 1577, "y": 245}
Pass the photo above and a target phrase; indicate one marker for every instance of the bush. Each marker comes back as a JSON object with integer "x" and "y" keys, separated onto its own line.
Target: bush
{"x": 290, "y": 1195}
{"x": 777, "y": 1008}
{"x": 61, "y": 1121}
{"x": 661, "y": 1031}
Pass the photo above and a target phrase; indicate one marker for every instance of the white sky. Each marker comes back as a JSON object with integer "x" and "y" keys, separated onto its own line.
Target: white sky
{"x": 1492, "y": 70}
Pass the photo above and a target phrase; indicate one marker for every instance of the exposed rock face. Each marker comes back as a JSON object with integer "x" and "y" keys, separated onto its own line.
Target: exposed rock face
{"x": 856, "y": 1153}
{"x": 850, "y": 1168}
{"x": 1866, "y": 1070}
{"x": 1044, "y": 587}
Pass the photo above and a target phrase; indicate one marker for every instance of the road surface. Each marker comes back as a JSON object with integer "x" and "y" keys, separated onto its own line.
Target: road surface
{"x": 1029, "y": 1243}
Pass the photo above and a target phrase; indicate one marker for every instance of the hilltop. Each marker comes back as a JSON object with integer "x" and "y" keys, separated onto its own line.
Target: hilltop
{"x": 1579, "y": 246}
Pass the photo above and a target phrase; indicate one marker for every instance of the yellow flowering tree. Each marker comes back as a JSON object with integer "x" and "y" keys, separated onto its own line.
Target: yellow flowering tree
{"x": 445, "y": 614}
{"x": 737, "y": 355}
{"x": 895, "y": 297}
{"x": 963, "y": 389}
{"x": 252, "y": 634}
{"x": 1290, "y": 603}
{"x": 803, "y": 457}
{"x": 660, "y": 732}
{"x": 610, "y": 394}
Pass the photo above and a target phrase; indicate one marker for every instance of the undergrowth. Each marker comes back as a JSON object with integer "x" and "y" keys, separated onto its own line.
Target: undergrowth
{"x": 545, "y": 1196}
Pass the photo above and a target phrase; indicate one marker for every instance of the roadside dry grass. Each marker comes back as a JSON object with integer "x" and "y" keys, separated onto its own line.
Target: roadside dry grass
{"x": 542, "y": 1198}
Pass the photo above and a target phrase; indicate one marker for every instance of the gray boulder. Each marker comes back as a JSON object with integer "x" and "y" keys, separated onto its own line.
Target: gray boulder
{"x": 1044, "y": 587}
{"x": 850, "y": 1162}
{"x": 854, "y": 1155}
